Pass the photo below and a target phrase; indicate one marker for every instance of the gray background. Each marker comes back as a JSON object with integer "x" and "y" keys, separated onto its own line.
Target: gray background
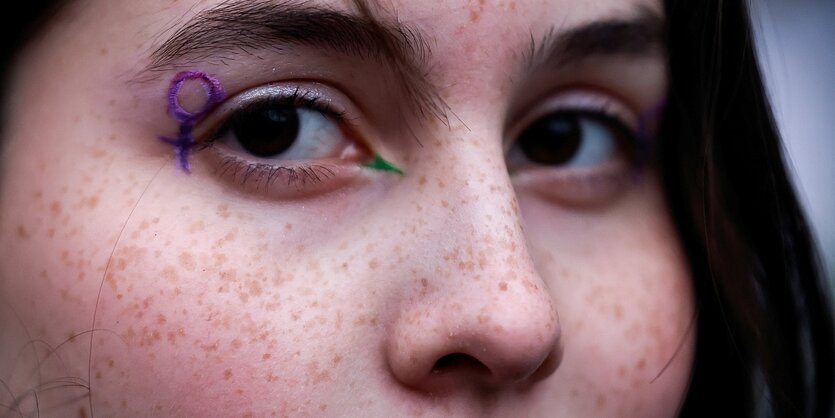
{"x": 796, "y": 41}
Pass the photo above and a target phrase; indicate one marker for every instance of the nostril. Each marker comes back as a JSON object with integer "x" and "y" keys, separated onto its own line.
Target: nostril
{"x": 459, "y": 362}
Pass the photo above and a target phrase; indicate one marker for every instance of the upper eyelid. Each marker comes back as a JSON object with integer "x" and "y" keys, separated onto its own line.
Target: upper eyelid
{"x": 585, "y": 99}
{"x": 335, "y": 108}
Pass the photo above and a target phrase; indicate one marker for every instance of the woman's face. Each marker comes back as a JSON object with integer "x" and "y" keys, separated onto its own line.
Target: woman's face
{"x": 522, "y": 262}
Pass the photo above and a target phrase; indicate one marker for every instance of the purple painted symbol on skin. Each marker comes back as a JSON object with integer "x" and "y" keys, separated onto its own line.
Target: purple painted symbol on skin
{"x": 185, "y": 139}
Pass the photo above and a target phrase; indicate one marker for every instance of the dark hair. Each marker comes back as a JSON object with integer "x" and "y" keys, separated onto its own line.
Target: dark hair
{"x": 21, "y": 24}
{"x": 765, "y": 327}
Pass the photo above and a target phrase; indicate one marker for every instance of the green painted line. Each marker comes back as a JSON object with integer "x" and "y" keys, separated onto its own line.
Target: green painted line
{"x": 380, "y": 164}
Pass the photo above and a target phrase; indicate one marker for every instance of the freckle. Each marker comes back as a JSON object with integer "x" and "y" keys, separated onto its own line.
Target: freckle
{"x": 121, "y": 264}
{"x": 618, "y": 311}
{"x": 266, "y": 356}
{"x": 227, "y": 374}
{"x": 236, "y": 344}
{"x": 161, "y": 319}
{"x": 337, "y": 359}
{"x": 187, "y": 260}
{"x": 98, "y": 154}
{"x": 444, "y": 203}
{"x": 91, "y": 201}
{"x": 422, "y": 181}
{"x": 288, "y": 227}
{"x": 373, "y": 264}
{"x": 196, "y": 227}
{"x": 503, "y": 286}
{"x": 601, "y": 400}
{"x": 103, "y": 51}
{"x": 170, "y": 274}
{"x": 55, "y": 208}
{"x": 641, "y": 364}
{"x": 22, "y": 232}
{"x": 473, "y": 16}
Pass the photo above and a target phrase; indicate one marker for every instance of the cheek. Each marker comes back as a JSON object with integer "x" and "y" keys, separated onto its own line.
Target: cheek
{"x": 182, "y": 294}
{"x": 623, "y": 292}
{"x": 226, "y": 302}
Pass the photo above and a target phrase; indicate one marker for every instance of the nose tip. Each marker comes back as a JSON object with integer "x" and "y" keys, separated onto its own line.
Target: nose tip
{"x": 511, "y": 346}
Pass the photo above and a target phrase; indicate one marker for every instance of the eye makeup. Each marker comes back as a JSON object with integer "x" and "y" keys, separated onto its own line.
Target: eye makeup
{"x": 382, "y": 165}
{"x": 184, "y": 141}
{"x": 287, "y": 139}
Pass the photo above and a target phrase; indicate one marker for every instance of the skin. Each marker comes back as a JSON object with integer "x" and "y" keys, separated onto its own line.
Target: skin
{"x": 528, "y": 297}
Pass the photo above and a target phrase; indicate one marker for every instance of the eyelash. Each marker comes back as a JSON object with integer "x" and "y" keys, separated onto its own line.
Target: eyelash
{"x": 256, "y": 174}
{"x": 632, "y": 141}
{"x": 298, "y": 99}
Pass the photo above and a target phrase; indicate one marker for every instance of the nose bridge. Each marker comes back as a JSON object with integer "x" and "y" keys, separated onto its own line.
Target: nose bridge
{"x": 475, "y": 206}
{"x": 482, "y": 299}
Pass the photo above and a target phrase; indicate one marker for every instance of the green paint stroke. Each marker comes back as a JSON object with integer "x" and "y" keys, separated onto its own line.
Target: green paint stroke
{"x": 380, "y": 164}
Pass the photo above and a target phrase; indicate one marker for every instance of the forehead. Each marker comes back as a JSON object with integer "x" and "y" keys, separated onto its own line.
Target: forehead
{"x": 448, "y": 23}
{"x": 478, "y": 13}
{"x": 459, "y": 40}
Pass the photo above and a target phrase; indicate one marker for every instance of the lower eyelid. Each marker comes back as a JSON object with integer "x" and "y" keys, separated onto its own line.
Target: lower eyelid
{"x": 577, "y": 187}
{"x": 287, "y": 181}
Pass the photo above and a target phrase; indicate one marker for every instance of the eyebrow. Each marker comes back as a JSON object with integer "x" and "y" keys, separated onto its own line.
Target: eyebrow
{"x": 640, "y": 36}
{"x": 218, "y": 34}
{"x": 233, "y": 27}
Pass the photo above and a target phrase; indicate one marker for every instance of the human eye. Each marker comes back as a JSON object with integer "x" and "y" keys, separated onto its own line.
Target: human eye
{"x": 287, "y": 140}
{"x": 578, "y": 147}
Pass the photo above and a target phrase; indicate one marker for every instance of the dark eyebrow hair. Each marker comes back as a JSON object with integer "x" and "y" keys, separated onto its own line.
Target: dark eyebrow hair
{"x": 239, "y": 26}
{"x": 642, "y": 35}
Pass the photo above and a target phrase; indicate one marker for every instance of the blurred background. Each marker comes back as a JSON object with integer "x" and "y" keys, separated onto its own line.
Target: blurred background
{"x": 796, "y": 41}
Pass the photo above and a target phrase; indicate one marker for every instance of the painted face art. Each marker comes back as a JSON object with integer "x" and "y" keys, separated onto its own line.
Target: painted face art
{"x": 184, "y": 141}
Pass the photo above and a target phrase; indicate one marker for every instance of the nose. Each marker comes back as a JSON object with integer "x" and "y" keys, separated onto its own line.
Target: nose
{"x": 477, "y": 315}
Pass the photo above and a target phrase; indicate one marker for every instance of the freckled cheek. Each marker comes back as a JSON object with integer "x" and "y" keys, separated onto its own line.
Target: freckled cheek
{"x": 237, "y": 309}
{"x": 623, "y": 292}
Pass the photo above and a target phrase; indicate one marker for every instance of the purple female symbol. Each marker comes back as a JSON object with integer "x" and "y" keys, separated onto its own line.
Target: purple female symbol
{"x": 185, "y": 140}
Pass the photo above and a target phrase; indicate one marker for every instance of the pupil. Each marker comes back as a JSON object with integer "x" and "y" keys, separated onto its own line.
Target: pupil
{"x": 552, "y": 140}
{"x": 268, "y": 132}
